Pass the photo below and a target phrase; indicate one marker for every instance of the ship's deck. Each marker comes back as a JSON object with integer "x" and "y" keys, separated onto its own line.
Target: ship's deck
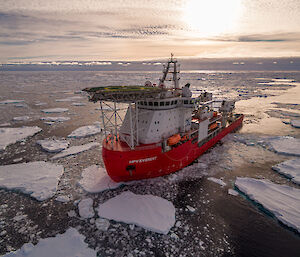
{"x": 123, "y": 94}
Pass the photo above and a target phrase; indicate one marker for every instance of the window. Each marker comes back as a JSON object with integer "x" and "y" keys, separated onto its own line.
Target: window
{"x": 162, "y": 103}
{"x": 167, "y": 103}
{"x": 185, "y": 101}
{"x": 176, "y": 102}
{"x": 145, "y": 103}
{"x": 172, "y": 102}
{"x": 141, "y": 103}
{"x": 150, "y": 103}
{"x": 155, "y": 103}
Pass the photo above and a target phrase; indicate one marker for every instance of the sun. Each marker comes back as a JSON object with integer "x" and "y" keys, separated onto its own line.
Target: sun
{"x": 211, "y": 17}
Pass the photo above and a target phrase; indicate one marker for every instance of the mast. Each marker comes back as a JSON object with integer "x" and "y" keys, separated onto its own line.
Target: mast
{"x": 172, "y": 64}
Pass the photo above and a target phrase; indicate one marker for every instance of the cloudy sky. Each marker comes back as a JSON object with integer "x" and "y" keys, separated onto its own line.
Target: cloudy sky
{"x": 40, "y": 30}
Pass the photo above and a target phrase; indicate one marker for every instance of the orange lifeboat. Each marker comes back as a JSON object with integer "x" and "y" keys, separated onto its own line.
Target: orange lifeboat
{"x": 173, "y": 140}
{"x": 184, "y": 138}
{"x": 213, "y": 126}
{"x": 215, "y": 114}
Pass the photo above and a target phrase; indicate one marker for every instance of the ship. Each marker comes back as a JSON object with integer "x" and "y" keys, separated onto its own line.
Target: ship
{"x": 157, "y": 129}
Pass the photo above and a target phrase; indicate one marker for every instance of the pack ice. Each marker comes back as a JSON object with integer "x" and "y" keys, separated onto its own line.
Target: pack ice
{"x": 12, "y": 135}
{"x": 38, "y": 179}
{"x": 295, "y": 123}
{"x": 11, "y": 101}
{"x": 148, "y": 211}
{"x": 95, "y": 180}
{"x": 290, "y": 169}
{"x": 55, "y": 119}
{"x": 74, "y": 150}
{"x": 55, "y": 110}
{"x": 86, "y": 131}
{"x": 70, "y": 243}
{"x": 281, "y": 200}
{"x": 53, "y": 145}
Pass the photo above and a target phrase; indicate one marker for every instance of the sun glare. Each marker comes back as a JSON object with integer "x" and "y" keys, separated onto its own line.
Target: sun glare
{"x": 211, "y": 17}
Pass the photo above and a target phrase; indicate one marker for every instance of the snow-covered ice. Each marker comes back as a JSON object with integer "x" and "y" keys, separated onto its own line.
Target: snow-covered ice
{"x": 295, "y": 123}
{"x": 70, "y": 243}
{"x": 78, "y": 104}
{"x": 148, "y": 211}
{"x": 232, "y": 192}
{"x": 21, "y": 118}
{"x": 11, "y": 101}
{"x": 12, "y": 135}
{"x": 55, "y": 110}
{"x": 95, "y": 180}
{"x": 75, "y": 150}
{"x": 69, "y": 99}
{"x": 55, "y": 119}
{"x": 38, "y": 179}
{"x": 285, "y": 145}
{"x": 102, "y": 224}
{"x": 85, "y": 208}
{"x": 53, "y": 145}
{"x": 86, "y": 131}
{"x": 6, "y": 124}
{"x": 290, "y": 169}
{"x": 281, "y": 200}
{"x": 217, "y": 180}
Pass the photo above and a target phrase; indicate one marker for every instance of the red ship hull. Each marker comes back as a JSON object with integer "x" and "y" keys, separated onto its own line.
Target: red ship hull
{"x": 149, "y": 161}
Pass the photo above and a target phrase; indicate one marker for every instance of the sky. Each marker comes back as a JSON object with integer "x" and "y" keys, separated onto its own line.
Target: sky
{"x": 40, "y": 30}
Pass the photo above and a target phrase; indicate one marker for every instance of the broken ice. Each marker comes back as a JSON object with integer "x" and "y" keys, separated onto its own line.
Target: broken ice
{"x": 53, "y": 145}
{"x": 290, "y": 169}
{"x": 86, "y": 131}
{"x": 55, "y": 110}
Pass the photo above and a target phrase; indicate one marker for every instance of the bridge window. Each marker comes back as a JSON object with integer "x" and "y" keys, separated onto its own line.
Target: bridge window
{"x": 162, "y": 103}
{"x": 150, "y": 103}
{"x": 155, "y": 103}
{"x": 145, "y": 103}
{"x": 168, "y": 103}
{"x": 176, "y": 102}
{"x": 186, "y": 102}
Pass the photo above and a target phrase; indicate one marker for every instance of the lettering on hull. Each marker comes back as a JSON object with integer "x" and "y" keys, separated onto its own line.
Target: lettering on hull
{"x": 143, "y": 160}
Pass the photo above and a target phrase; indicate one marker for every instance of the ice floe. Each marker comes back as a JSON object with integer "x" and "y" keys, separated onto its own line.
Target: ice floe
{"x": 55, "y": 110}
{"x": 295, "y": 123}
{"x": 102, "y": 224}
{"x": 55, "y": 119}
{"x": 85, "y": 208}
{"x": 285, "y": 145}
{"x": 281, "y": 200}
{"x": 69, "y": 99}
{"x": 38, "y": 179}
{"x": 53, "y": 145}
{"x": 6, "y": 124}
{"x": 86, "y": 131}
{"x": 290, "y": 169}
{"x": 78, "y": 104}
{"x": 217, "y": 180}
{"x": 11, "y": 101}
{"x": 12, "y": 135}
{"x": 232, "y": 192}
{"x": 95, "y": 180}
{"x": 21, "y": 118}
{"x": 75, "y": 150}
{"x": 148, "y": 211}
{"x": 70, "y": 243}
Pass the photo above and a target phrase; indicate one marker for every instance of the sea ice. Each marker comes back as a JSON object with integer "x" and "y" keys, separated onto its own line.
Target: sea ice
{"x": 85, "y": 207}
{"x": 53, "y": 145}
{"x": 295, "y": 123}
{"x": 5, "y": 124}
{"x": 21, "y": 118}
{"x": 38, "y": 179}
{"x": 148, "y": 211}
{"x": 290, "y": 169}
{"x": 11, "y": 101}
{"x": 75, "y": 150}
{"x": 285, "y": 145}
{"x": 102, "y": 224}
{"x": 86, "y": 131}
{"x": 55, "y": 110}
{"x": 12, "y": 135}
{"x": 78, "y": 104}
{"x": 95, "y": 180}
{"x": 55, "y": 119}
{"x": 69, "y": 99}
{"x": 281, "y": 200}
{"x": 218, "y": 181}
{"x": 232, "y": 192}
{"x": 70, "y": 243}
